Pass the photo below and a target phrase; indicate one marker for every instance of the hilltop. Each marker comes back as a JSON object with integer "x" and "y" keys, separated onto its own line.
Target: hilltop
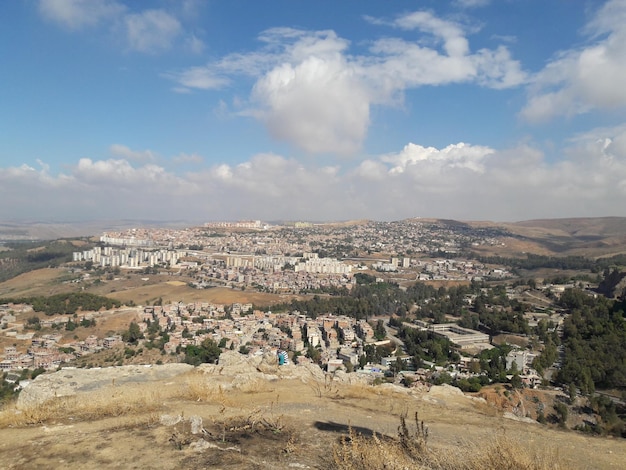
{"x": 249, "y": 413}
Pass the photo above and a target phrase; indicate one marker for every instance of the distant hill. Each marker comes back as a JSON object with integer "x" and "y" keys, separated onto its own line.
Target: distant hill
{"x": 36, "y": 230}
{"x": 590, "y": 237}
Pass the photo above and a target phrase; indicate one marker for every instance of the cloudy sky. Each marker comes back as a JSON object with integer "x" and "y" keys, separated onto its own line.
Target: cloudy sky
{"x": 312, "y": 110}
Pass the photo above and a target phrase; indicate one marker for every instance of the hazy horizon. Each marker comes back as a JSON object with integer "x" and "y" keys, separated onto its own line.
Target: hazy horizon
{"x": 200, "y": 111}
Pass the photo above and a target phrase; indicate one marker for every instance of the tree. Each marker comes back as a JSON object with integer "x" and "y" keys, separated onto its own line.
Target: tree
{"x": 561, "y": 411}
{"x": 207, "y": 352}
{"x": 397, "y": 366}
{"x": 516, "y": 381}
{"x": 314, "y": 354}
{"x": 133, "y": 334}
{"x": 379, "y": 330}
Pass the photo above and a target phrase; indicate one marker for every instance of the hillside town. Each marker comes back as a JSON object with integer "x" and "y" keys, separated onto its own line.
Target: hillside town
{"x": 302, "y": 258}
{"x": 298, "y": 259}
{"x": 410, "y": 303}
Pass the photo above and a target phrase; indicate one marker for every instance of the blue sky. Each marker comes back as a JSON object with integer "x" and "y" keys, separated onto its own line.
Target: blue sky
{"x": 312, "y": 110}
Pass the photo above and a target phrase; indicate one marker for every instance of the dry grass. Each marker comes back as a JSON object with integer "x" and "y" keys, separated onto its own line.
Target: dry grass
{"x": 114, "y": 401}
{"x": 105, "y": 403}
{"x": 197, "y": 387}
{"x": 124, "y": 400}
{"x": 503, "y": 451}
{"x": 410, "y": 450}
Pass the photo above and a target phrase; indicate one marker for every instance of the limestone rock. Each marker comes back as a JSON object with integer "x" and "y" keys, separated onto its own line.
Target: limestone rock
{"x": 170, "y": 420}
{"x": 70, "y": 381}
{"x": 196, "y": 424}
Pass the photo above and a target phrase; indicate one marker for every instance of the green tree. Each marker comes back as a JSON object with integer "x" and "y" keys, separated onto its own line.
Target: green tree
{"x": 207, "y": 352}
{"x": 561, "y": 412}
{"x": 133, "y": 334}
{"x": 516, "y": 381}
{"x": 314, "y": 354}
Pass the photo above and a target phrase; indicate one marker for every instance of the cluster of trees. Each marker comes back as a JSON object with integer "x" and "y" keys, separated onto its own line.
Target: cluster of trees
{"x": 426, "y": 346}
{"x": 207, "y": 352}
{"x": 362, "y": 302}
{"x": 9, "y": 388}
{"x": 532, "y": 261}
{"x": 491, "y": 311}
{"x": 369, "y": 298}
{"x": 66, "y": 303}
{"x": 594, "y": 340}
{"x": 493, "y": 363}
{"x": 28, "y": 256}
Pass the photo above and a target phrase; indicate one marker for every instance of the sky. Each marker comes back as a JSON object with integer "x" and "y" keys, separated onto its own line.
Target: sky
{"x": 501, "y": 110}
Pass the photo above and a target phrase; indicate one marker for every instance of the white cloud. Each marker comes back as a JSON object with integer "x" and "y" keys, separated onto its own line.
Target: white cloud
{"x": 451, "y": 33}
{"x": 78, "y": 14}
{"x": 199, "y": 78}
{"x": 151, "y": 30}
{"x": 459, "y": 155}
{"x": 311, "y": 92}
{"x": 472, "y": 3}
{"x": 320, "y": 104}
{"x": 148, "y": 31}
{"x": 185, "y": 158}
{"x": 460, "y": 181}
{"x": 590, "y": 77}
{"x": 123, "y": 151}
{"x": 194, "y": 44}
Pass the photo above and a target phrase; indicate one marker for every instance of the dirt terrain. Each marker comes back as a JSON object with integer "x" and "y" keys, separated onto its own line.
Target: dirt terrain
{"x": 135, "y": 287}
{"x": 274, "y": 424}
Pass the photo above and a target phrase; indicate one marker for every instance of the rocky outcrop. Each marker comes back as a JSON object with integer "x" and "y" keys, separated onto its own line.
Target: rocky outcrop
{"x": 70, "y": 381}
{"x": 233, "y": 371}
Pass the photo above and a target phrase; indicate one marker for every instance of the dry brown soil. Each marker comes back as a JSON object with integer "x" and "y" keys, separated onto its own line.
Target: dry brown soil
{"x": 286, "y": 424}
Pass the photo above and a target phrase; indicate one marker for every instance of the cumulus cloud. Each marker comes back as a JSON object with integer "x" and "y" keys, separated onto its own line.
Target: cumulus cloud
{"x": 459, "y": 181}
{"x": 79, "y": 14}
{"x": 459, "y": 155}
{"x": 587, "y": 78}
{"x": 311, "y": 92}
{"x": 319, "y": 104}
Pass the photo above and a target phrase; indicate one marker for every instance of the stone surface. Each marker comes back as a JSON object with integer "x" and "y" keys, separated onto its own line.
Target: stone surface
{"x": 170, "y": 420}
{"x": 69, "y": 381}
{"x": 196, "y": 424}
{"x": 234, "y": 370}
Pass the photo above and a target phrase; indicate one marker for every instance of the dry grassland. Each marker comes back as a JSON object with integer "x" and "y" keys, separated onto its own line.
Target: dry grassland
{"x": 285, "y": 424}
{"x": 174, "y": 293}
{"x": 45, "y": 281}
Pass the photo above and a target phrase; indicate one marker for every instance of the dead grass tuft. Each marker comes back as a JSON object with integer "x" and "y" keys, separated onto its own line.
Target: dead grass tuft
{"x": 410, "y": 450}
{"x": 197, "y": 387}
{"x": 503, "y": 451}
